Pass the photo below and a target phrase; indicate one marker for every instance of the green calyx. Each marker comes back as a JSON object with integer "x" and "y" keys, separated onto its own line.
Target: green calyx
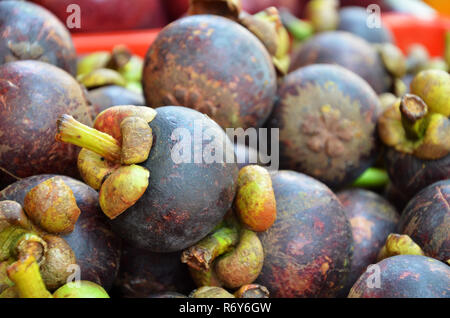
{"x": 414, "y": 127}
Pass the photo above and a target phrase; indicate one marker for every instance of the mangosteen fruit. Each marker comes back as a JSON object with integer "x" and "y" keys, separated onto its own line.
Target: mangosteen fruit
{"x": 426, "y": 219}
{"x": 30, "y": 32}
{"x": 177, "y": 192}
{"x": 395, "y": 197}
{"x": 110, "y": 15}
{"x": 404, "y": 276}
{"x": 372, "y": 219}
{"x": 326, "y": 117}
{"x": 347, "y": 50}
{"x": 416, "y": 133}
{"x": 97, "y": 249}
{"x": 33, "y": 95}
{"x": 167, "y": 295}
{"x": 113, "y": 95}
{"x": 309, "y": 248}
{"x": 144, "y": 273}
{"x": 354, "y": 20}
{"x": 214, "y": 65}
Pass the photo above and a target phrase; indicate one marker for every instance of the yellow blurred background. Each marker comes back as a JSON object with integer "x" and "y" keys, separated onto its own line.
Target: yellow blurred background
{"x": 443, "y": 6}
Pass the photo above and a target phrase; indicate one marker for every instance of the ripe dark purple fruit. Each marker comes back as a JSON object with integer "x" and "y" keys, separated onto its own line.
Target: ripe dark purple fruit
{"x": 327, "y": 119}
{"x": 186, "y": 196}
{"x": 426, "y": 219}
{"x": 30, "y": 32}
{"x": 308, "y": 250}
{"x": 411, "y": 174}
{"x": 108, "y": 96}
{"x": 32, "y": 97}
{"x": 96, "y": 248}
{"x": 144, "y": 273}
{"x": 372, "y": 219}
{"x": 347, "y": 50}
{"x": 213, "y": 65}
{"x": 404, "y": 276}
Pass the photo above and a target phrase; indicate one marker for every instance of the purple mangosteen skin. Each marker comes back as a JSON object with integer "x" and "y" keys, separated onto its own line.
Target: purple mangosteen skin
{"x": 309, "y": 248}
{"x": 372, "y": 219}
{"x": 184, "y": 201}
{"x": 31, "y": 32}
{"x": 426, "y": 219}
{"x": 214, "y": 65}
{"x": 405, "y": 276}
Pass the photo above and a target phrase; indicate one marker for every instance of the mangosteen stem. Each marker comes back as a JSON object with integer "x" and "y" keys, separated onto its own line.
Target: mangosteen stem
{"x": 73, "y": 132}
{"x": 201, "y": 255}
{"x": 414, "y": 111}
{"x": 18, "y": 242}
{"x": 27, "y": 278}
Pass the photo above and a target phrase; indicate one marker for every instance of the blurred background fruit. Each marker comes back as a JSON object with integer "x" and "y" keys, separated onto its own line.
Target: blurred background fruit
{"x": 29, "y": 32}
{"x": 111, "y": 15}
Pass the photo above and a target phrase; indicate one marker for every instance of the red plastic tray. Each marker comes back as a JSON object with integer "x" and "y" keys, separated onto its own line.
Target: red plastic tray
{"x": 407, "y": 30}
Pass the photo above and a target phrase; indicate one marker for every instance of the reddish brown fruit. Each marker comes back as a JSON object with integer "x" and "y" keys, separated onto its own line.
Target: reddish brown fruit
{"x": 410, "y": 174}
{"x": 327, "y": 119}
{"x": 335, "y": 48}
{"x": 108, "y": 96}
{"x": 30, "y": 32}
{"x": 372, "y": 219}
{"x": 426, "y": 219}
{"x": 404, "y": 276}
{"x": 308, "y": 250}
{"x": 239, "y": 91}
{"x": 114, "y": 15}
{"x": 32, "y": 97}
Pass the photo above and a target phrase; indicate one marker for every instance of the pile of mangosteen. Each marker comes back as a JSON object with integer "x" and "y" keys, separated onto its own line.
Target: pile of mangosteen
{"x": 119, "y": 178}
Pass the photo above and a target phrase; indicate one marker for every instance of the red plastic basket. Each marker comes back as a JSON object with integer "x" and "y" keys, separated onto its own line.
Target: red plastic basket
{"x": 407, "y": 30}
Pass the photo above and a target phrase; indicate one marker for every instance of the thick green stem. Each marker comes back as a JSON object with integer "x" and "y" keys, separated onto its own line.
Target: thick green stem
{"x": 73, "y": 132}
{"x": 414, "y": 116}
{"x": 201, "y": 255}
